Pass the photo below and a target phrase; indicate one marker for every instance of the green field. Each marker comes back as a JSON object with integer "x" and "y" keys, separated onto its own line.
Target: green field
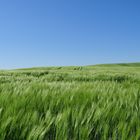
{"x": 99, "y": 102}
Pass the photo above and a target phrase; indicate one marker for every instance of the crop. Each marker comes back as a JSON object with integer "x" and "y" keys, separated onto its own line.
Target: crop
{"x": 71, "y": 103}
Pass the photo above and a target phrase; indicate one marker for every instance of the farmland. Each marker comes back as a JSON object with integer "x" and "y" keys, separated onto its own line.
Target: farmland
{"x": 100, "y": 102}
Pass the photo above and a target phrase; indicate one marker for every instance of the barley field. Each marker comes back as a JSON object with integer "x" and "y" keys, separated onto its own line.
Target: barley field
{"x": 100, "y": 102}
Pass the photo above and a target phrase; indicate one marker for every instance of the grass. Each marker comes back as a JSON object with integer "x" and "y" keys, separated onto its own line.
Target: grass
{"x": 71, "y": 103}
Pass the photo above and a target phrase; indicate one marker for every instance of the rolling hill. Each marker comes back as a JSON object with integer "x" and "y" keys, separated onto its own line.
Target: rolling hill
{"x": 98, "y": 102}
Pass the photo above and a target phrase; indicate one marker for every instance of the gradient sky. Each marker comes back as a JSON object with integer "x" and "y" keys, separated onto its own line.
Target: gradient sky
{"x": 68, "y": 32}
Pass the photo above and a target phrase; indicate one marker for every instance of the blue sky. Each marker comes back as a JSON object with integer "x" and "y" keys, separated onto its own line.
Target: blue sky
{"x": 68, "y": 32}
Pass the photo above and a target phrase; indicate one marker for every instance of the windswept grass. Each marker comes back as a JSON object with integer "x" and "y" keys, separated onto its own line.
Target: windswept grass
{"x": 71, "y": 103}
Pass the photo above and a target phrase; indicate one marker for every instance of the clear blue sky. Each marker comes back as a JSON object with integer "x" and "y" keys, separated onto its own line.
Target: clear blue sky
{"x": 68, "y": 32}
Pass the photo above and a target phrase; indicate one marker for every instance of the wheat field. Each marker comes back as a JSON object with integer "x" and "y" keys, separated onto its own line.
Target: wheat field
{"x": 100, "y": 102}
